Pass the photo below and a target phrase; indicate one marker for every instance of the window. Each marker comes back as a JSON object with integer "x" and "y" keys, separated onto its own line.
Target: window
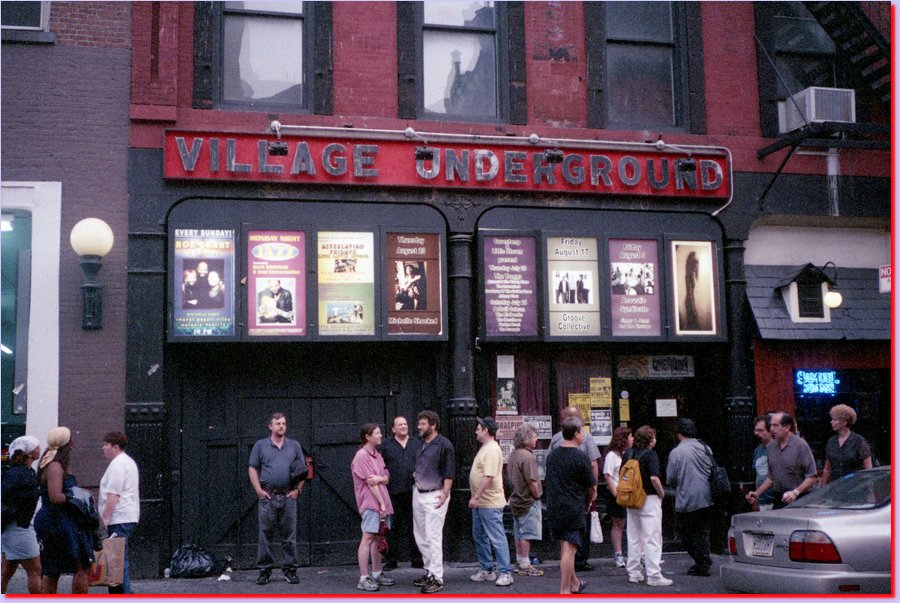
{"x": 809, "y": 297}
{"x": 25, "y": 15}
{"x": 454, "y": 60}
{"x": 263, "y": 55}
{"x": 642, "y": 70}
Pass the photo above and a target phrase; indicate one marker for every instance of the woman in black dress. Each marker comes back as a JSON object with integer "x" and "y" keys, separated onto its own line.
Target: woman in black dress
{"x": 20, "y": 496}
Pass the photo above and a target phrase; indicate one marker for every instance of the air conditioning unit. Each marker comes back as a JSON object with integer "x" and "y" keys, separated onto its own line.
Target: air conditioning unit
{"x": 816, "y": 104}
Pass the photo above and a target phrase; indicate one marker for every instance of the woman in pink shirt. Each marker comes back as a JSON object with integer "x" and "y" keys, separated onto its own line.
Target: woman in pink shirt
{"x": 370, "y": 478}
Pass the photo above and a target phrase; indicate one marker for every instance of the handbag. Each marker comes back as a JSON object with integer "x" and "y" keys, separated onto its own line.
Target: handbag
{"x": 383, "y": 531}
{"x": 108, "y": 568}
{"x": 719, "y": 484}
{"x": 596, "y": 531}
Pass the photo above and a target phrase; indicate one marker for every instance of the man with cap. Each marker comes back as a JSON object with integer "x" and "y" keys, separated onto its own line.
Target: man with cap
{"x": 487, "y": 502}
{"x": 688, "y": 472}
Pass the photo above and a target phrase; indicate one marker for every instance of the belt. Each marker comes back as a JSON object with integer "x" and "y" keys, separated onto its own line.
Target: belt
{"x": 421, "y": 491}
{"x": 277, "y": 491}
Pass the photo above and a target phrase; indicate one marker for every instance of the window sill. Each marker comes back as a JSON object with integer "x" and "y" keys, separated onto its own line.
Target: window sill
{"x": 27, "y": 37}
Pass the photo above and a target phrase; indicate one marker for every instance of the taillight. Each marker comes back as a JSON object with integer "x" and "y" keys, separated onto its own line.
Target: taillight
{"x": 813, "y": 547}
{"x": 732, "y": 542}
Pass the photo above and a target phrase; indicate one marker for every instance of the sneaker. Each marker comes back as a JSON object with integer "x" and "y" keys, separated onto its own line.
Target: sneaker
{"x": 432, "y": 586}
{"x": 422, "y": 580}
{"x": 367, "y": 583}
{"x": 529, "y": 571}
{"x": 635, "y": 578}
{"x": 483, "y": 576}
{"x": 385, "y": 580}
{"x": 263, "y": 578}
{"x": 291, "y": 576}
{"x": 619, "y": 559}
{"x": 659, "y": 581}
{"x": 504, "y": 580}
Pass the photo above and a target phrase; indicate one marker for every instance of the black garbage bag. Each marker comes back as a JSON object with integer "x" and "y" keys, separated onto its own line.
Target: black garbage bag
{"x": 192, "y": 561}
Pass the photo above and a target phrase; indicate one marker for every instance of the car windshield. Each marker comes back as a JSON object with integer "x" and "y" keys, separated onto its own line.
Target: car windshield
{"x": 862, "y": 490}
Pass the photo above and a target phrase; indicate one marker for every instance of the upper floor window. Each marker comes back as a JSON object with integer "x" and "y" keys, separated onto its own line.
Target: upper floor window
{"x": 458, "y": 64}
{"x": 25, "y": 15}
{"x": 262, "y": 54}
{"x": 640, "y": 63}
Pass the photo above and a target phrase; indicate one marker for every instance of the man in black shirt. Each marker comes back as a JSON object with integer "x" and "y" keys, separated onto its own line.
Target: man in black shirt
{"x": 399, "y": 454}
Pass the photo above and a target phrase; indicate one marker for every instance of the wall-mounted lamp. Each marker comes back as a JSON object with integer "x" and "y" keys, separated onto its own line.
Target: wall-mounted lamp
{"x": 553, "y": 156}
{"x": 424, "y": 153}
{"x": 833, "y": 298}
{"x": 92, "y": 239}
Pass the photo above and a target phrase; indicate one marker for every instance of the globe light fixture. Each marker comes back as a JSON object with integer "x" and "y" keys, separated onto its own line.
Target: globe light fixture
{"x": 833, "y": 298}
{"x": 92, "y": 239}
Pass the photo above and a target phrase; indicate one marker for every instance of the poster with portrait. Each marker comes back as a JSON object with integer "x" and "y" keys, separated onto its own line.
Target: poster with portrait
{"x": 633, "y": 288}
{"x": 203, "y": 287}
{"x": 276, "y": 283}
{"x": 601, "y": 425}
{"x": 572, "y": 286}
{"x": 507, "y": 397}
{"x": 694, "y": 287}
{"x": 346, "y": 270}
{"x": 413, "y": 279}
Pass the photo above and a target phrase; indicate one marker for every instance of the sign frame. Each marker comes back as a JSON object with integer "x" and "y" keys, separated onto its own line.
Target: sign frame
{"x": 384, "y": 290}
{"x": 536, "y": 284}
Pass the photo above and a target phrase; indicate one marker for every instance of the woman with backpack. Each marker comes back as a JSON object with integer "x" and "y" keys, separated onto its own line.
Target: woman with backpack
{"x": 621, "y": 441}
{"x": 644, "y": 522}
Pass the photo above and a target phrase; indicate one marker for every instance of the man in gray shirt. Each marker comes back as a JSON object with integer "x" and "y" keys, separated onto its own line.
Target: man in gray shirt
{"x": 589, "y": 447}
{"x": 270, "y": 469}
{"x": 792, "y": 468}
{"x": 688, "y": 471}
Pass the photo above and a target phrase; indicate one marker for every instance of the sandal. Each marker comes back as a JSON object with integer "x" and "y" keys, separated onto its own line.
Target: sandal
{"x": 582, "y": 584}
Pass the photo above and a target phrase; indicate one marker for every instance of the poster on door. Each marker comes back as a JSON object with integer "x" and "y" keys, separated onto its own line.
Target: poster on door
{"x": 572, "y": 278}
{"x": 346, "y": 270}
{"x": 203, "y": 287}
{"x": 276, "y": 283}
{"x": 633, "y": 288}
{"x": 413, "y": 270}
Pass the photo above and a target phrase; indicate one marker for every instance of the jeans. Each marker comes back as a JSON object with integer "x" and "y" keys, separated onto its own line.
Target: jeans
{"x": 488, "y": 533}
{"x": 693, "y": 528}
{"x": 122, "y": 530}
{"x": 277, "y": 525}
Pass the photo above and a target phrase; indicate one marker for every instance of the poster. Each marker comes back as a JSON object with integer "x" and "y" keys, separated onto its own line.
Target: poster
{"x": 510, "y": 298}
{"x": 414, "y": 295}
{"x": 507, "y": 426}
{"x": 633, "y": 285}
{"x": 203, "y": 287}
{"x": 666, "y": 407}
{"x": 694, "y": 287}
{"x": 506, "y": 366}
{"x": 276, "y": 283}
{"x": 601, "y": 392}
{"x": 667, "y": 366}
{"x": 507, "y": 397}
{"x": 346, "y": 268}
{"x": 624, "y": 410}
{"x": 583, "y": 403}
{"x": 543, "y": 424}
{"x": 540, "y": 457}
{"x": 572, "y": 286}
{"x": 601, "y": 425}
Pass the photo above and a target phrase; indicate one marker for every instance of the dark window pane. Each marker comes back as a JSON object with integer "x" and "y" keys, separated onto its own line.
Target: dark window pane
{"x": 809, "y": 299}
{"x": 460, "y": 75}
{"x": 468, "y": 14}
{"x": 649, "y": 21}
{"x": 640, "y": 85}
{"x": 801, "y": 33}
{"x": 20, "y": 14}
{"x": 802, "y": 72}
{"x": 273, "y": 6}
{"x": 263, "y": 60}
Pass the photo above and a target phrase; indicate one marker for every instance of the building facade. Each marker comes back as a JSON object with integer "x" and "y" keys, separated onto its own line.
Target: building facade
{"x": 348, "y": 211}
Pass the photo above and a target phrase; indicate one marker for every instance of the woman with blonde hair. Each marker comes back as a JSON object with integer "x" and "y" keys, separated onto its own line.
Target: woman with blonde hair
{"x": 66, "y": 548}
{"x": 847, "y": 451}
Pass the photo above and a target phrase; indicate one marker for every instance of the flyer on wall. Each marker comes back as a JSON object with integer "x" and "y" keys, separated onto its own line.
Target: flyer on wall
{"x": 413, "y": 266}
{"x": 572, "y": 292}
{"x": 276, "y": 283}
{"x": 510, "y": 290}
{"x": 203, "y": 287}
{"x": 694, "y": 287}
{"x": 346, "y": 268}
{"x": 633, "y": 286}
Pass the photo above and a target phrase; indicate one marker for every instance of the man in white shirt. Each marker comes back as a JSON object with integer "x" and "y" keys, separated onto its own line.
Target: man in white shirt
{"x": 120, "y": 501}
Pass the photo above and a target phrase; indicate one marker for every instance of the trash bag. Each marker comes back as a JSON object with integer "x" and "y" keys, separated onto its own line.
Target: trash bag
{"x": 192, "y": 561}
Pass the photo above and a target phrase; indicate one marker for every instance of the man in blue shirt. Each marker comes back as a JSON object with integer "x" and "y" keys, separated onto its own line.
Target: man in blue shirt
{"x": 762, "y": 430}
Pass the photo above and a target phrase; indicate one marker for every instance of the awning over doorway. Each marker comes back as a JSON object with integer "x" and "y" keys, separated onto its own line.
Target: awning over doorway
{"x": 865, "y": 314}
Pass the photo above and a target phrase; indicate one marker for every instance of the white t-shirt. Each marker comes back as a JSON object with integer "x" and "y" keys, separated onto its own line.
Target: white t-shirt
{"x": 611, "y": 465}
{"x": 121, "y": 478}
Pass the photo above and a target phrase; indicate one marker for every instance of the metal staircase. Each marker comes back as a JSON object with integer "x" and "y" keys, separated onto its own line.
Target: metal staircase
{"x": 859, "y": 42}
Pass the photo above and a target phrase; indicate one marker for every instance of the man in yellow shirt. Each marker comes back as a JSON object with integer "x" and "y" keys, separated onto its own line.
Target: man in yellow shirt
{"x": 487, "y": 502}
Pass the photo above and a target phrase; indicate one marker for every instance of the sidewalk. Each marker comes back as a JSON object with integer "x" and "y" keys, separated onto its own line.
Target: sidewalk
{"x": 604, "y": 579}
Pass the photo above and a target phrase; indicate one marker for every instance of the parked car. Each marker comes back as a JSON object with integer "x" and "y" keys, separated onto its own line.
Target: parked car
{"x": 836, "y": 539}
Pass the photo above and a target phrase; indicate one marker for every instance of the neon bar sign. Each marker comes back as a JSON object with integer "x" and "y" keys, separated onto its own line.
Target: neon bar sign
{"x": 816, "y": 382}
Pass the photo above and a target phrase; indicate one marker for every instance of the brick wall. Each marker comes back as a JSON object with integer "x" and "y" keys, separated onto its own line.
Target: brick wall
{"x": 65, "y": 118}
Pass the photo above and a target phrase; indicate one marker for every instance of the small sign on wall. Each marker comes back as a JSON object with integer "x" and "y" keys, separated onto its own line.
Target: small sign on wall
{"x": 884, "y": 279}
{"x": 666, "y": 407}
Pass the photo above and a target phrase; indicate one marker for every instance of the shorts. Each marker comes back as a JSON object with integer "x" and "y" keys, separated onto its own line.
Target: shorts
{"x": 613, "y": 509}
{"x": 569, "y": 535}
{"x": 371, "y": 521}
{"x": 528, "y": 526}
{"x": 19, "y": 543}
